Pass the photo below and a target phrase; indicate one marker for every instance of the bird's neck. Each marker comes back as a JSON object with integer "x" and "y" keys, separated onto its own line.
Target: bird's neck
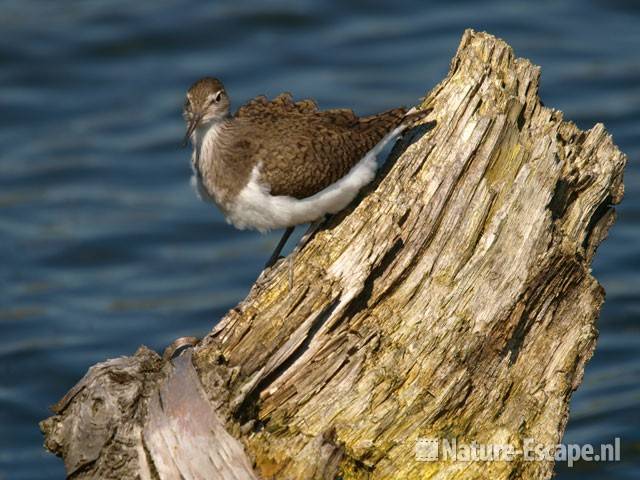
{"x": 205, "y": 139}
{"x": 208, "y": 159}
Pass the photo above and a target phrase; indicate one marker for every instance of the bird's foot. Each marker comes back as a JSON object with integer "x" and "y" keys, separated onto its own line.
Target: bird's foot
{"x": 272, "y": 261}
{"x": 275, "y": 256}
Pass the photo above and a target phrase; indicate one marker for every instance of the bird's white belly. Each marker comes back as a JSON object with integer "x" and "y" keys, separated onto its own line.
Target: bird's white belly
{"x": 256, "y": 208}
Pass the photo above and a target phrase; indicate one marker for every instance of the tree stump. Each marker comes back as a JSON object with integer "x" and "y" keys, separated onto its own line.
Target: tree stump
{"x": 454, "y": 299}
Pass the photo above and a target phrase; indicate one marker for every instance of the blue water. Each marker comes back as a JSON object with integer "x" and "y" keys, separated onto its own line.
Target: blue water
{"x": 103, "y": 245}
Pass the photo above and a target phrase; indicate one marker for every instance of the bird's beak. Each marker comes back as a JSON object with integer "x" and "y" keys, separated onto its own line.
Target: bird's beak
{"x": 193, "y": 124}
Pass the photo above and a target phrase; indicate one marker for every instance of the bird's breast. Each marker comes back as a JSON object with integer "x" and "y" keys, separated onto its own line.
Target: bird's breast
{"x": 207, "y": 178}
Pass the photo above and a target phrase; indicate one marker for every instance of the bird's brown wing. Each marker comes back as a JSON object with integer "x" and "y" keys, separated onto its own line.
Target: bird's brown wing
{"x": 283, "y": 104}
{"x": 303, "y": 152}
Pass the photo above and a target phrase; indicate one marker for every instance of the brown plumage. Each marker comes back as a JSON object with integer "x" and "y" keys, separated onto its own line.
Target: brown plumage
{"x": 304, "y": 150}
{"x": 270, "y": 165}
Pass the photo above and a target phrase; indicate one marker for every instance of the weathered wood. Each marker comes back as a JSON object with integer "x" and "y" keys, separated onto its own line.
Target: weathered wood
{"x": 184, "y": 437}
{"x": 455, "y": 300}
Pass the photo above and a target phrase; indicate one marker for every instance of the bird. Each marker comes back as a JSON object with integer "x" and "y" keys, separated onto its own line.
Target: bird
{"x": 281, "y": 163}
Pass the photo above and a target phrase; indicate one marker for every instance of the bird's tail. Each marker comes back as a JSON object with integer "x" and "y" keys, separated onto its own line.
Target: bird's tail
{"x": 393, "y": 121}
{"x": 415, "y": 116}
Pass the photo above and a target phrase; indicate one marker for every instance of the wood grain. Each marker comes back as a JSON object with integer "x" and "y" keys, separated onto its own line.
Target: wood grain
{"x": 455, "y": 300}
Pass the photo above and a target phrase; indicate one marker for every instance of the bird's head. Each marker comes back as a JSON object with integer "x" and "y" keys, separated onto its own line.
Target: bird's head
{"x": 206, "y": 102}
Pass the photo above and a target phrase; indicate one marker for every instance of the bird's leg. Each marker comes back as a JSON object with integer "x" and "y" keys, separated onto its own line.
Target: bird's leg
{"x": 276, "y": 253}
{"x": 313, "y": 228}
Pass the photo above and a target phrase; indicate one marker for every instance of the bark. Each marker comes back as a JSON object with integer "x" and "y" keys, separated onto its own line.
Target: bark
{"x": 454, "y": 299}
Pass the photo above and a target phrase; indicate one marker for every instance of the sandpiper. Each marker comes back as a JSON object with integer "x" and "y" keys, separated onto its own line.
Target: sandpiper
{"x": 279, "y": 163}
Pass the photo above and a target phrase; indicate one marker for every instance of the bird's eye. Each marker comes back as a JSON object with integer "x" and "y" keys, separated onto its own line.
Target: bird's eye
{"x": 218, "y": 96}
